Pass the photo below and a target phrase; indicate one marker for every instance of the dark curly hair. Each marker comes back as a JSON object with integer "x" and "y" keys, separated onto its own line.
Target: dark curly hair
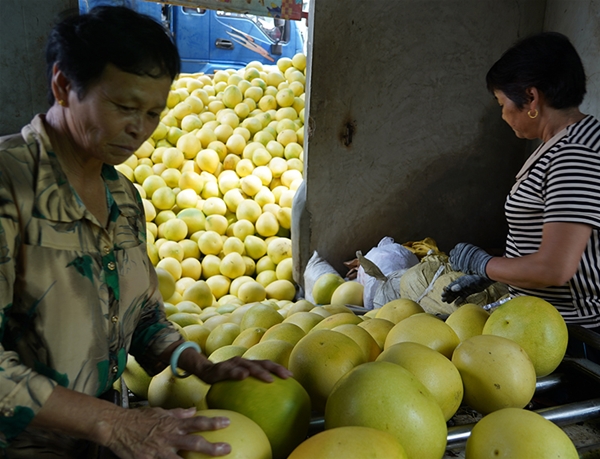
{"x": 546, "y": 61}
{"x": 82, "y": 46}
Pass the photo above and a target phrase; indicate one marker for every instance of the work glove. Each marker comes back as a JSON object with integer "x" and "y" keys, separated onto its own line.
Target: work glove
{"x": 464, "y": 286}
{"x": 469, "y": 259}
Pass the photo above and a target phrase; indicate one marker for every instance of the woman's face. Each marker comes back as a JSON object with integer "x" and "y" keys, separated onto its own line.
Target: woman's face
{"x": 117, "y": 113}
{"x": 516, "y": 118}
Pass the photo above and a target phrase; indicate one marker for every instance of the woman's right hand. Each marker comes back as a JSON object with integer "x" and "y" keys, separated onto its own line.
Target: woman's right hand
{"x": 155, "y": 433}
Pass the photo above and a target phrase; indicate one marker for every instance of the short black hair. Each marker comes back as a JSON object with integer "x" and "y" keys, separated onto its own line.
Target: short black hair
{"x": 546, "y": 61}
{"x": 83, "y": 45}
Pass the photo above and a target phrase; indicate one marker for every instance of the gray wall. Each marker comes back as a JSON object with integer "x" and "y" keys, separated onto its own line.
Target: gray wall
{"x": 429, "y": 154}
{"x": 25, "y": 26}
{"x": 580, "y": 21}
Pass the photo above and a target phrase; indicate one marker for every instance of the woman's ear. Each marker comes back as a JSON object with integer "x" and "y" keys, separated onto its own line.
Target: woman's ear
{"x": 534, "y": 97}
{"x": 61, "y": 86}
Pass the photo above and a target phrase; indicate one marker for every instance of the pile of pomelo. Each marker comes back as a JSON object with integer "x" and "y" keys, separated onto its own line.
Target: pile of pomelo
{"x": 217, "y": 180}
{"x": 396, "y": 370}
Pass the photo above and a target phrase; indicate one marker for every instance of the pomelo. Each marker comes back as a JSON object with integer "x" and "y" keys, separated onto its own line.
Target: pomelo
{"x": 260, "y": 315}
{"x": 249, "y": 337}
{"x": 378, "y": 329}
{"x": 399, "y": 309}
{"x": 304, "y": 319}
{"x": 246, "y": 437}
{"x": 289, "y": 332}
{"x": 468, "y": 320}
{"x": 324, "y": 287}
{"x": 281, "y": 408}
{"x": 426, "y": 329}
{"x": 320, "y": 359}
{"x": 513, "y": 433}
{"x": 136, "y": 378}
{"x": 386, "y": 396}
{"x": 350, "y": 442}
{"x": 350, "y": 292}
{"x": 168, "y": 392}
{"x": 433, "y": 370}
{"x": 536, "y": 326}
{"x": 222, "y": 335}
{"x": 277, "y": 351}
{"x": 496, "y": 372}
{"x": 227, "y": 352}
{"x": 337, "y": 319}
{"x": 361, "y": 337}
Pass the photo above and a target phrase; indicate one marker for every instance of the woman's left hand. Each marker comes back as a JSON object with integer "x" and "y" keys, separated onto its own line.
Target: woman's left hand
{"x": 240, "y": 368}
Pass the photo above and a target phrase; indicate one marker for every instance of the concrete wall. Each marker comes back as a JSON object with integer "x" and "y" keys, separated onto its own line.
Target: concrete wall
{"x": 25, "y": 26}
{"x": 580, "y": 21}
{"x": 406, "y": 141}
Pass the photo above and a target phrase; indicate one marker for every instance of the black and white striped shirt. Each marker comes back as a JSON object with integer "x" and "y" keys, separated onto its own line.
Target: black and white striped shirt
{"x": 563, "y": 185}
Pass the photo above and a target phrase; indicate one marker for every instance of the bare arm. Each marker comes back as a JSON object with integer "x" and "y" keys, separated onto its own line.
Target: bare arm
{"x": 554, "y": 263}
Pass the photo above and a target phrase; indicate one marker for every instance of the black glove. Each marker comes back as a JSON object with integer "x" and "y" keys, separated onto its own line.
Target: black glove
{"x": 464, "y": 286}
{"x": 469, "y": 259}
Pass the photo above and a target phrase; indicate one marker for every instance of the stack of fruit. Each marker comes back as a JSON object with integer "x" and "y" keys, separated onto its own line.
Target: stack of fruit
{"x": 218, "y": 177}
{"x": 396, "y": 370}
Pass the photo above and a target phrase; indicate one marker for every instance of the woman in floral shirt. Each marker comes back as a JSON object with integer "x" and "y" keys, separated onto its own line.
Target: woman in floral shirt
{"x": 77, "y": 290}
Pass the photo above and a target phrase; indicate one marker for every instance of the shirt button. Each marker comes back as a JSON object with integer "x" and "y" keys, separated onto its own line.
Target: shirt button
{"x": 8, "y": 412}
{"x": 111, "y": 265}
{"x": 106, "y": 250}
{"x": 115, "y": 369}
{"x": 114, "y": 319}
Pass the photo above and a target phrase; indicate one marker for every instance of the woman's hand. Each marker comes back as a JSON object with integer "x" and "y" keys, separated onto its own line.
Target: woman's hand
{"x": 240, "y": 368}
{"x": 155, "y": 433}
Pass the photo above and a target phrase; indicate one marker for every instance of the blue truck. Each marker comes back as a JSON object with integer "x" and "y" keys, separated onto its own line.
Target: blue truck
{"x": 209, "y": 40}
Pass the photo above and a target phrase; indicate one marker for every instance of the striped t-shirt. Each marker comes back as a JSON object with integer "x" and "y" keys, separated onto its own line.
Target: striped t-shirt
{"x": 563, "y": 185}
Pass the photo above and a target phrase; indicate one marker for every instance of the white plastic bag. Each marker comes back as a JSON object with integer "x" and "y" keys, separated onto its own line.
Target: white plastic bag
{"x": 315, "y": 268}
{"x": 390, "y": 257}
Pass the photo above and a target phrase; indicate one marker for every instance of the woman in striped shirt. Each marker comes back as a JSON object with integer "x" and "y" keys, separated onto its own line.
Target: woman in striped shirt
{"x": 553, "y": 210}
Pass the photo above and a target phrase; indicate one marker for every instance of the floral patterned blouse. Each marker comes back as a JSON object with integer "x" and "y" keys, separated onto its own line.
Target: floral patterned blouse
{"x": 75, "y": 297}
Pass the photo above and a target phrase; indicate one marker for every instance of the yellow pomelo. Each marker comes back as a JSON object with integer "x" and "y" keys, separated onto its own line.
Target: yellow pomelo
{"x": 284, "y": 269}
{"x": 385, "y": 396}
{"x": 227, "y": 352}
{"x": 304, "y": 319}
{"x": 171, "y": 249}
{"x": 514, "y": 433}
{"x": 251, "y": 291}
{"x": 320, "y": 359}
{"x": 172, "y": 266}
{"x": 335, "y": 308}
{"x": 221, "y": 335}
{"x": 163, "y": 198}
{"x": 136, "y": 378}
{"x": 398, "y": 309}
{"x": 284, "y": 331}
{"x": 426, "y": 329}
{"x": 249, "y": 337}
{"x": 166, "y": 283}
{"x": 219, "y": 285}
{"x": 232, "y": 265}
{"x": 210, "y": 266}
{"x": 337, "y": 319}
{"x": 246, "y": 437}
{"x": 188, "y": 306}
{"x": 259, "y": 315}
{"x": 255, "y": 247}
{"x": 175, "y": 230}
{"x": 350, "y": 292}
{"x": 210, "y": 243}
{"x": 235, "y": 285}
{"x": 361, "y": 337}
{"x": 350, "y": 442}
{"x": 378, "y": 329}
{"x": 199, "y": 292}
{"x": 213, "y": 322}
{"x": 536, "y": 326}
{"x": 191, "y": 267}
{"x": 281, "y": 289}
{"x": 300, "y": 305}
{"x": 496, "y": 372}
{"x": 279, "y": 248}
{"x": 184, "y": 319}
{"x": 277, "y": 351}
{"x": 266, "y": 277}
{"x": 281, "y": 408}
{"x": 168, "y": 392}
{"x": 468, "y": 320}
{"x": 193, "y": 218}
{"x": 433, "y": 370}
{"x": 197, "y": 333}
{"x": 267, "y": 225}
{"x": 324, "y": 287}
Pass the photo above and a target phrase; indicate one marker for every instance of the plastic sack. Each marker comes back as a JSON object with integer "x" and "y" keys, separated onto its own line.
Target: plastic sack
{"x": 315, "y": 268}
{"x": 388, "y": 257}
